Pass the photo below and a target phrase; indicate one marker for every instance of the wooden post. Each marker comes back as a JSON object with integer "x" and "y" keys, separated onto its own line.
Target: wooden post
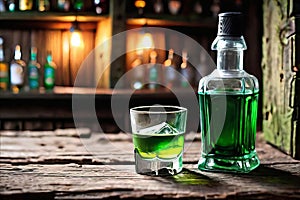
{"x": 109, "y": 71}
{"x": 278, "y": 76}
{"x": 117, "y": 13}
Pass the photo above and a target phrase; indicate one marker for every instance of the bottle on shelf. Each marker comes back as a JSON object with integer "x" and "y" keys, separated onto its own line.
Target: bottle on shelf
{"x": 43, "y": 5}
{"x": 140, "y": 5}
{"x": 198, "y": 8}
{"x": 186, "y": 71}
{"x": 153, "y": 71}
{"x": 25, "y": 5}
{"x": 63, "y": 5}
{"x": 11, "y": 5}
{"x": 33, "y": 70}
{"x": 228, "y": 99}
{"x": 17, "y": 71}
{"x": 158, "y": 6}
{"x": 49, "y": 72}
{"x": 138, "y": 72}
{"x": 170, "y": 71}
{"x": 78, "y": 5}
{"x": 4, "y": 77}
{"x": 2, "y": 6}
{"x": 174, "y": 6}
{"x": 101, "y": 6}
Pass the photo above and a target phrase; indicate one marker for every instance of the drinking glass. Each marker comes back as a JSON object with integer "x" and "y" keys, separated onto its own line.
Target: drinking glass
{"x": 158, "y": 138}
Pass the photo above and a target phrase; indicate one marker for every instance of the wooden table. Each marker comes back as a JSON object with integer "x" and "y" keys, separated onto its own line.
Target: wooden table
{"x": 61, "y": 165}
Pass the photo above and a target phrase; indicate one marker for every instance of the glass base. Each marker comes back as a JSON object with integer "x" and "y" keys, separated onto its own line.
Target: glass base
{"x": 242, "y": 164}
{"x": 158, "y": 167}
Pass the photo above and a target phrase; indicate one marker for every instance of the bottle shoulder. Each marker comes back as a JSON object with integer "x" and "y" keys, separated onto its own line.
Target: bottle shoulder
{"x": 18, "y": 62}
{"x": 34, "y": 64}
{"x": 50, "y": 64}
{"x": 235, "y": 81}
{"x": 228, "y": 74}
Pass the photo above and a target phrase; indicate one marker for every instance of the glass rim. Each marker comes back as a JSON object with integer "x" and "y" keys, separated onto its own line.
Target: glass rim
{"x": 177, "y": 109}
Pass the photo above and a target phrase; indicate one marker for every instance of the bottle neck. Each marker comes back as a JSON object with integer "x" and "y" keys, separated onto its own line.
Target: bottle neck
{"x": 230, "y": 52}
{"x": 153, "y": 56}
{"x": 170, "y": 56}
{"x": 33, "y": 54}
{"x": 49, "y": 58}
{"x": 33, "y": 57}
{"x": 18, "y": 55}
{"x": 230, "y": 60}
{"x": 1, "y": 54}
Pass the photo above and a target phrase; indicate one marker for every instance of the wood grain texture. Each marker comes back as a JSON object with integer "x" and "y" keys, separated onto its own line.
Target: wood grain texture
{"x": 278, "y": 76}
{"x": 79, "y": 164}
{"x": 118, "y": 44}
{"x": 102, "y": 53}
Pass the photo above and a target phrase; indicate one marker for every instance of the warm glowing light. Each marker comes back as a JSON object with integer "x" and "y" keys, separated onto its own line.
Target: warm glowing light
{"x": 153, "y": 56}
{"x": 76, "y": 38}
{"x": 146, "y": 42}
{"x": 140, "y": 4}
{"x": 136, "y": 62}
{"x": 184, "y": 60}
{"x": 168, "y": 63}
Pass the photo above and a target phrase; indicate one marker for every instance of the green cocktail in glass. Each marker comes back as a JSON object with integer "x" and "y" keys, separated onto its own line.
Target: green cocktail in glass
{"x": 158, "y": 145}
{"x": 158, "y": 138}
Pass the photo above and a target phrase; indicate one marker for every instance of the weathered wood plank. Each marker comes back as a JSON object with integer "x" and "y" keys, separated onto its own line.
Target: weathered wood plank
{"x": 48, "y": 146}
{"x": 278, "y": 76}
{"x": 102, "y": 53}
{"x": 117, "y": 13}
{"x": 65, "y": 59}
{"x": 62, "y": 165}
{"x": 72, "y": 181}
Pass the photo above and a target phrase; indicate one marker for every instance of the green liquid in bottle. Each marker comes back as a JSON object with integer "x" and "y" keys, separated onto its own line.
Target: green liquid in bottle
{"x": 228, "y": 146}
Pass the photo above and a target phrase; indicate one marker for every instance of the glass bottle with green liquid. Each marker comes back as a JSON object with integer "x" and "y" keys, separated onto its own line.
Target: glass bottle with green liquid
{"x": 33, "y": 70}
{"x": 228, "y": 100}
{"x": 4, "y": 70}
{"x": 49, "y": 72}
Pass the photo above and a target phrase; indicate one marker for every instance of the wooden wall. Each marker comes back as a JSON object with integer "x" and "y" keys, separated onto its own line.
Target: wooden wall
{"x": 57, "y": 40}
{"x": 278, "y": 76}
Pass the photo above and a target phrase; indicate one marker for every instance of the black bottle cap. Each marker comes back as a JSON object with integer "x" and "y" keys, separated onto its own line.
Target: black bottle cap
{"x": 230, "y": 24}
